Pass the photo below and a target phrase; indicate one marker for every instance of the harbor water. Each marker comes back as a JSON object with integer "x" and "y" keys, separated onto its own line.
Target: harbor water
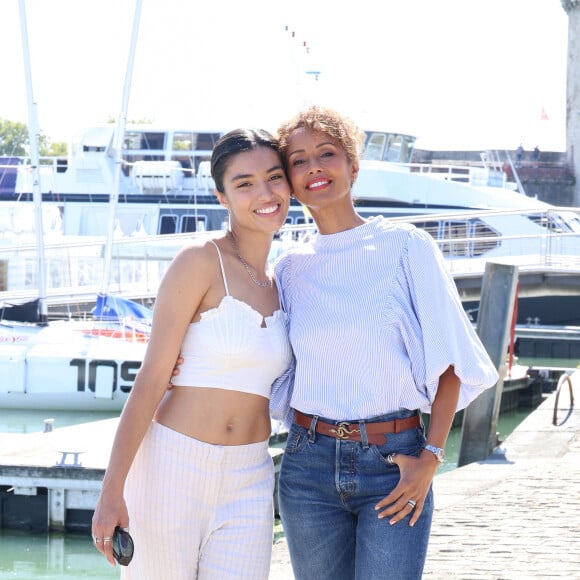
{"x": 28, "y": 556}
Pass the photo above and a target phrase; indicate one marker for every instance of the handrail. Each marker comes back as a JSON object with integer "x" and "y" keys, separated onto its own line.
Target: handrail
{"x": 565, "y": 378}
{"x": 76, "y": 261}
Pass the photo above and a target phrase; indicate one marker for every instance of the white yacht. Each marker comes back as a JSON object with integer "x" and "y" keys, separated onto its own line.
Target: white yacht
{"x": 166, "y": 187}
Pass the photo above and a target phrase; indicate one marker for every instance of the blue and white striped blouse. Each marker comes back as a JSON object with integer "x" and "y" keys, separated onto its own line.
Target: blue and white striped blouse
{"x": 374, "y": 321}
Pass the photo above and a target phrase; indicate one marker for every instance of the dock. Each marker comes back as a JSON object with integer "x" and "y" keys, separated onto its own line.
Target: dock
{"x": 52, "y": 481}
{"x": 515, "y": 515}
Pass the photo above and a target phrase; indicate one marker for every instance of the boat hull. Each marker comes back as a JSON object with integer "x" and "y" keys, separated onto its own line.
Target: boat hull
{"x": 67, "y": 366}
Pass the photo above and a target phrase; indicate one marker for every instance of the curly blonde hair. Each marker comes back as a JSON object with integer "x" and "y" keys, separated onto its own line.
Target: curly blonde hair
{"x": 323, "y": 120}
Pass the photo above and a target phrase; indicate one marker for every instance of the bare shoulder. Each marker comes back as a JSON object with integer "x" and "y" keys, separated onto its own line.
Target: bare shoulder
{"x": 194, "y": 267}
{"x": 200, "y": 252}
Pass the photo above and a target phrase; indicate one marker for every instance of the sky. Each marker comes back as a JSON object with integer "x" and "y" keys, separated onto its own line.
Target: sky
{"x": 458, "y": 74}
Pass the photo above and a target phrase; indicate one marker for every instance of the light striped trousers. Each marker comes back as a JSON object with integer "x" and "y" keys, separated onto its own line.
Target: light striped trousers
{"x": 199, "y": 510}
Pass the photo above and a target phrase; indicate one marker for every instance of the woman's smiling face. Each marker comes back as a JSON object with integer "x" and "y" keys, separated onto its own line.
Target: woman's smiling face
{"x": 319, "y": 168}
{"x": 257, "y": 192}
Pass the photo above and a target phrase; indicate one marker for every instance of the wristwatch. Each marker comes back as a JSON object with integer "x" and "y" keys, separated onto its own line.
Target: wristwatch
{"x": 437, "y": 451}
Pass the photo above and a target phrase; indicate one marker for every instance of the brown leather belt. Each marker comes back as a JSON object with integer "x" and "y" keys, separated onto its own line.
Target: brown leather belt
{"x": 376, "y": 432}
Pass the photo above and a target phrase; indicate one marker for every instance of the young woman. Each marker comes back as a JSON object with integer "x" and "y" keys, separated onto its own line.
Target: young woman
{"x": 379, "y": 335}
{"x": 190, "y": 470}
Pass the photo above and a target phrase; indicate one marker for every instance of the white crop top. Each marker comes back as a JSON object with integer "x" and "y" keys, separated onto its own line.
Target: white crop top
{"x": 228, "y": 348}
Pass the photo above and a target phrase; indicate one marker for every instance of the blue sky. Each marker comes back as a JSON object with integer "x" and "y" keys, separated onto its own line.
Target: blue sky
{"x": 459, "y": 74}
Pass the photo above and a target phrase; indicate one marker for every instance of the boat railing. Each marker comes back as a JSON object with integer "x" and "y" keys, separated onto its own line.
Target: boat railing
{"x": 142, "y": 175}
{"x": 467, "y": 245}
{"x": 469, "y": 174}
{"x": 467, "y": 242}
{"x": 565, "y": 378}
{"x": 75, "y": 266}
{"x": 181, "y": 173}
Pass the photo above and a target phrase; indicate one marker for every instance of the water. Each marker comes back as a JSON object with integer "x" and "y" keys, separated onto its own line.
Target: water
{"x": 27, "y": 556}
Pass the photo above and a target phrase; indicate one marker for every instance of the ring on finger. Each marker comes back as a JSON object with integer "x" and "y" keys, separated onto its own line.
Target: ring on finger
{"x": 107, "y": 540}
{"x": 95, "y": 539}
{"x": 411, "y": 502}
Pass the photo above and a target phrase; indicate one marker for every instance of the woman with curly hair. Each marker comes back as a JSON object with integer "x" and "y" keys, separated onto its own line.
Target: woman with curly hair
{"x": 379, "y": 336}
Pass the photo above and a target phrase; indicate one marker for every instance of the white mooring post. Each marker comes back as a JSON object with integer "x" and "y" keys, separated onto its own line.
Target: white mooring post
{"x": 496, "y": 306}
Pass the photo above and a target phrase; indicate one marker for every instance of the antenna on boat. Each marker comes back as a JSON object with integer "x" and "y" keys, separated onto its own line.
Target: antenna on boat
{"x": 118, "y": 148}
{"x": 33, "y": 134}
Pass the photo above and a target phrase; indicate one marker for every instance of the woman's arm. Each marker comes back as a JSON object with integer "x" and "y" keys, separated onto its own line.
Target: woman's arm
{"x": 179, "y": 297}
{"x": 442, "y": 411}
{"x": 417, "y": 472}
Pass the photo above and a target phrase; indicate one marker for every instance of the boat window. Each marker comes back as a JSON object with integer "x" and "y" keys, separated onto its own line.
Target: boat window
{"x": 168, "y": 224}
{"x": 540, "y": 219}
{"x": 462, "y": 238}
{"x": 200, "y": 146}
{"x": 484, "y": 238}
{"x": 388, "y": 147}
{"x": 407, "y": 146}
{"x": 555, "y": 222}
{"x": 142, "y": 140}
{"x": 3, "y": 275}
{"x": 572, "y": 221}
{"x": 206, "y": 141}
{"x": 137, "y": 143}
{"x": 455, "y": 234}
{"x": 374, "y": 146}
{"x": 192, "y": 223}
{"x": 183, "y": 141}
{"x": 393, "y": 152}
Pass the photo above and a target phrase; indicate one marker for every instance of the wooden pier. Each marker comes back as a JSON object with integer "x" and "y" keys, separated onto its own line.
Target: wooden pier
{"x": 41, "y": 487}
{"x": 51, "y": 481}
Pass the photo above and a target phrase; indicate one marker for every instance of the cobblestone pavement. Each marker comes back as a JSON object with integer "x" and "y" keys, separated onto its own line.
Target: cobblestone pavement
{"x": 513, "y": 516}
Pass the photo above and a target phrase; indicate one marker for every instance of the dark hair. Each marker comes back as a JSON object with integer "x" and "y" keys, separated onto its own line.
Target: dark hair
{"x": 324, "y": 120}
{"x": 234, "y": 142}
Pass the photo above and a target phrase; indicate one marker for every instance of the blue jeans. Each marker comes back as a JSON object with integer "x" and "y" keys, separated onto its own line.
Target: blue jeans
{"x": 327, "y": 492}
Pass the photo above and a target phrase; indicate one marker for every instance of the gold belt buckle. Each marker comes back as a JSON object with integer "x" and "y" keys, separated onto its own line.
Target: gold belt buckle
{"x": 343, "y": 432}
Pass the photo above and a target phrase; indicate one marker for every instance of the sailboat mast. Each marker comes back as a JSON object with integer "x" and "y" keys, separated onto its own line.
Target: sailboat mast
{"x": 118, "y": 149}
{"x": 33, "y": 135}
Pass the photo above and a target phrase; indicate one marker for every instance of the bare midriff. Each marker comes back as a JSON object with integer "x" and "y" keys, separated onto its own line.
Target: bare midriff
{"x": 216, "y": 416}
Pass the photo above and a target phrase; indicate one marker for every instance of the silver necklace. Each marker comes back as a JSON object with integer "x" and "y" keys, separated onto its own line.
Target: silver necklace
{"x": 267, "y": 283}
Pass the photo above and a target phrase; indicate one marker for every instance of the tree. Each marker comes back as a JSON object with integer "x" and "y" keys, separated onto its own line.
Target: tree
{"x": 13, "y": 138}
{"x": 14, "y": 141}
{"x": 49, "y": 149}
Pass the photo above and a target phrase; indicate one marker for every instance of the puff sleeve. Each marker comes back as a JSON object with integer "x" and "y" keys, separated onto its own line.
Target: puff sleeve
{"x": 281, "y": 395}
{"x": 283, "y": 386}
{"x": 436, "y": 329}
